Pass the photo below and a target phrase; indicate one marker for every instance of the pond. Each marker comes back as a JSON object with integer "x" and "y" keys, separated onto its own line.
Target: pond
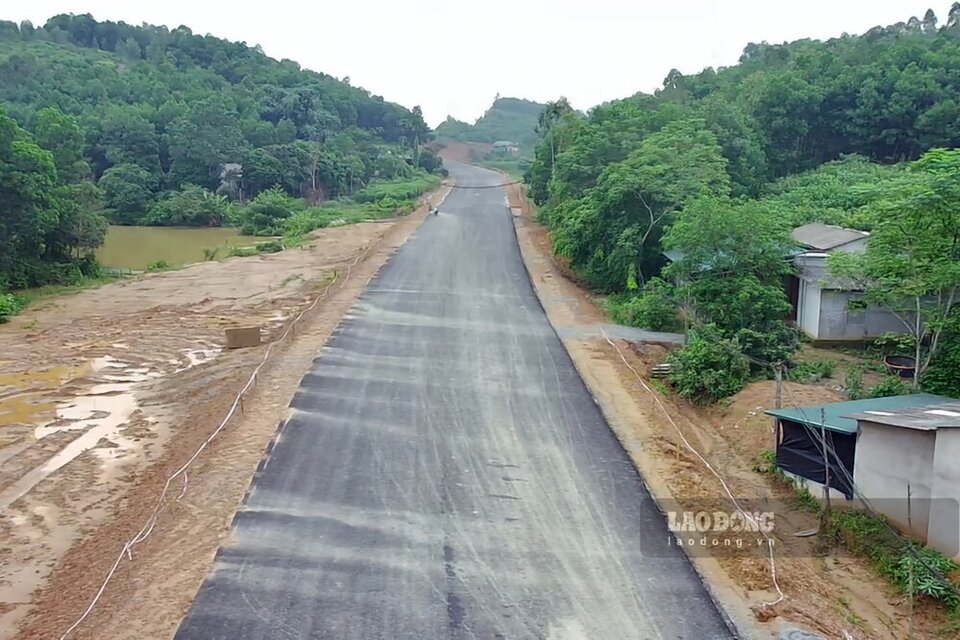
{"x": 138, "y": 247}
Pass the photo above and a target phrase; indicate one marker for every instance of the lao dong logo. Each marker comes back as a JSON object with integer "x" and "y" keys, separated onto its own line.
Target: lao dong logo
{"x": 720, "y": 522}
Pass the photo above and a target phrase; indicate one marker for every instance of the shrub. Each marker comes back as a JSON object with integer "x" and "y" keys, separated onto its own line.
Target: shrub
{"x": 708, "y": 368}
{"x": 265, "y": 216}
{"x": 243, "y": 252}
{"x": 9, "y": 306}
{"x": 941, "y": 376}
{"x": 890, "y": 386}
{"x": 813, "y": 371}
{"x": 895, "y": 557}
{"x": 159, "y": 265}
{"x": 654, "y": 309}
{"x": 270, "y": 246}
{"x": 854, "y": 383}
{"x": 192, "y": 206}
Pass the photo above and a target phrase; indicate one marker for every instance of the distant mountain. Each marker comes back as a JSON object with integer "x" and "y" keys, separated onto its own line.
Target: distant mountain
{"x": 512, "y": 119}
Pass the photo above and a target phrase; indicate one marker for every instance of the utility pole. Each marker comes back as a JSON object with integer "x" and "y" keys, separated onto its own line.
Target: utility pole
{"x": 911, "y": 577}
{"x": 826, "y": 460}
{"x": 777, "y": 401}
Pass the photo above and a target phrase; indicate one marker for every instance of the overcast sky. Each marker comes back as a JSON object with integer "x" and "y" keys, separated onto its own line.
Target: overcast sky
{"x": 454, "y": 56}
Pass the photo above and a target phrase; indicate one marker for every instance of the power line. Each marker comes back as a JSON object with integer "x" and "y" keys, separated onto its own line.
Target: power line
{"x": 733, "y": 500}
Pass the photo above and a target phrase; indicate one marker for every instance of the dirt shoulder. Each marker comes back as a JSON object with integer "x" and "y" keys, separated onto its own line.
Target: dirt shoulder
{"x": 105, "y": 393}
{"x": 828, "y": 593}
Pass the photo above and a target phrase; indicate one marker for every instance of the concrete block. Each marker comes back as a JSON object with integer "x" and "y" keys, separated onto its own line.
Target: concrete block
{"x": 238, "y": 337}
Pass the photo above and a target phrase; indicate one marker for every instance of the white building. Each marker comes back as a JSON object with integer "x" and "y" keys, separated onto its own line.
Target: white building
{"x": 898, "y": 456}
{"x": 827, "y": 308}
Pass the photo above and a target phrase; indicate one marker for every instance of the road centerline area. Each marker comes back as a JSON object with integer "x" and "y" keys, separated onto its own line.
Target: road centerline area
{"x": 444, "y": 473}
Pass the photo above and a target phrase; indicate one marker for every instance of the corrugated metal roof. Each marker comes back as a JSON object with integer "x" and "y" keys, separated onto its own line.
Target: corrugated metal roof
{"x": 824, "y": 237}
{"x": 837, "y": 416}
{"x": 925, "y": 418}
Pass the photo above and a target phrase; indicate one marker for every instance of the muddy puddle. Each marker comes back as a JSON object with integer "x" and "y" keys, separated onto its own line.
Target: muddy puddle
{"x": 101, "y": 415}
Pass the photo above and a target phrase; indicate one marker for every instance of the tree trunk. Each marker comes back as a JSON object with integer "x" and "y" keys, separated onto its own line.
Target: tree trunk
{"x": 918, "y": 339}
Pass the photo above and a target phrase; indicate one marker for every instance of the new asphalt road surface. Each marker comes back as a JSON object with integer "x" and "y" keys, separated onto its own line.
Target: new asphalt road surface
{"x": 444, "y": 473}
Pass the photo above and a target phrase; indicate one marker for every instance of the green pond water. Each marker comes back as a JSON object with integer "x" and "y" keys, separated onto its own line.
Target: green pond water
{"x": 138, "y": 247}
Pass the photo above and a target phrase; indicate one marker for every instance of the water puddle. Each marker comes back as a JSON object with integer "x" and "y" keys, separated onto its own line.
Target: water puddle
{"x": 101, "y": 415}
{"x": 196, "y": 357}
{"x": 22, "y": 394}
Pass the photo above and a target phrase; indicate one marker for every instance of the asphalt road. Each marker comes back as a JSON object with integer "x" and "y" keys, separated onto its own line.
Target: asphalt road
{"x": 445, "y": 473}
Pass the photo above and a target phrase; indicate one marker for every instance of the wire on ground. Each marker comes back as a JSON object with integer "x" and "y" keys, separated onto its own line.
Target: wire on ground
{"x": 733, "y": 500}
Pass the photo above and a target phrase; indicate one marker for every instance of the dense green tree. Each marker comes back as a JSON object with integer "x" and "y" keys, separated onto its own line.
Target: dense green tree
{"x": 128, "y": 137}
{"x": 182, "y": 107}
{"x": 127, "y": 190}
{"x": 62, "y": 136}
{"x": 912, "y": 262}
{"x": 612, "y": 234}
{"x": 28, "y": 176}
{"x": 730, "y": 272}
{"x": 192, "y": 206}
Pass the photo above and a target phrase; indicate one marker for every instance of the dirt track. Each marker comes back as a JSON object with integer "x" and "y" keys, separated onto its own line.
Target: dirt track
{"x": 106, "y": 392}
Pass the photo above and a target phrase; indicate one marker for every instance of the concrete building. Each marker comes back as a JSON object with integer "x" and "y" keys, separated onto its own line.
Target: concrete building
{"x": 827, "y": 308}
{"x": 915, "y": 452}
{"x": 900, "y": 455}
{"x": 505, "y": 147}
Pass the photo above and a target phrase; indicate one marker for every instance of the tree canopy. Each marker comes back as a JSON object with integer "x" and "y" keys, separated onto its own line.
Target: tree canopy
{"x": 158, "y": 109}
{"x": 716, "y": 167}
{"x": 105, "y": 121}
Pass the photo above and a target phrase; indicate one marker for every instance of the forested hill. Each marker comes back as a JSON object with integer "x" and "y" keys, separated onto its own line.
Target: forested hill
{"x": 169, "y": 107}
{"x": 107, "y": 122}
{"x": 511, "y": 119}
{"x": 681, "y": 203}
{"x": 887, "y": 95}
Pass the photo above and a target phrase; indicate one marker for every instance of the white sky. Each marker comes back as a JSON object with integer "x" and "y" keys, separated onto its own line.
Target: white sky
{"x": 454, "y": 56}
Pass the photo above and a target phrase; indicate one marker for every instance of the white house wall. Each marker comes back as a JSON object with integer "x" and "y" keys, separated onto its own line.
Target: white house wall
{"x": 944, "y": 527}
{"x": 808, "y": 309}
{"x": 838, "y": 322}
{"x": 889, "y": 459}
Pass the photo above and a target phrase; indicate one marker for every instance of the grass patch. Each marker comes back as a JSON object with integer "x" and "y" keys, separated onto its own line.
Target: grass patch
{"x": 813, "y": 371}
{"x": 513, "y": 167}
{"x": 27, "y": 297}
{"x": 243, "y": 252}
{"x": 270, "y": 246}
{"x": 160, "y": 265}
{"x": 293, "y": 277}
{"x": 913, "y": 569}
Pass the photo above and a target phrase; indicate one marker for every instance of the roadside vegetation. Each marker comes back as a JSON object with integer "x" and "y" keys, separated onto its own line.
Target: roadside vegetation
{"x": 107, "y": 123}
{"x": 678, "y": 206}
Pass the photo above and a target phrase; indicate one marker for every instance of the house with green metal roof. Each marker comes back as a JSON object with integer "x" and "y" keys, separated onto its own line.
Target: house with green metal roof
{"x": 900, "y": 454}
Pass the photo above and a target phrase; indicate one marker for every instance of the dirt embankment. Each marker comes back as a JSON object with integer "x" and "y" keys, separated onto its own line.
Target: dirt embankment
{"x": 105, "y": 393}
{"x": 824, "y": 591}
{"x": 462, "y": 151}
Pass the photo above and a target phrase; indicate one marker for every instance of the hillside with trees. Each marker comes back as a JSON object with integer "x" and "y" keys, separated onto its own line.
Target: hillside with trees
{"x": 509, "y": 119}
{"x": 717, "y": 167}
{"x": 108, "y": 122}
